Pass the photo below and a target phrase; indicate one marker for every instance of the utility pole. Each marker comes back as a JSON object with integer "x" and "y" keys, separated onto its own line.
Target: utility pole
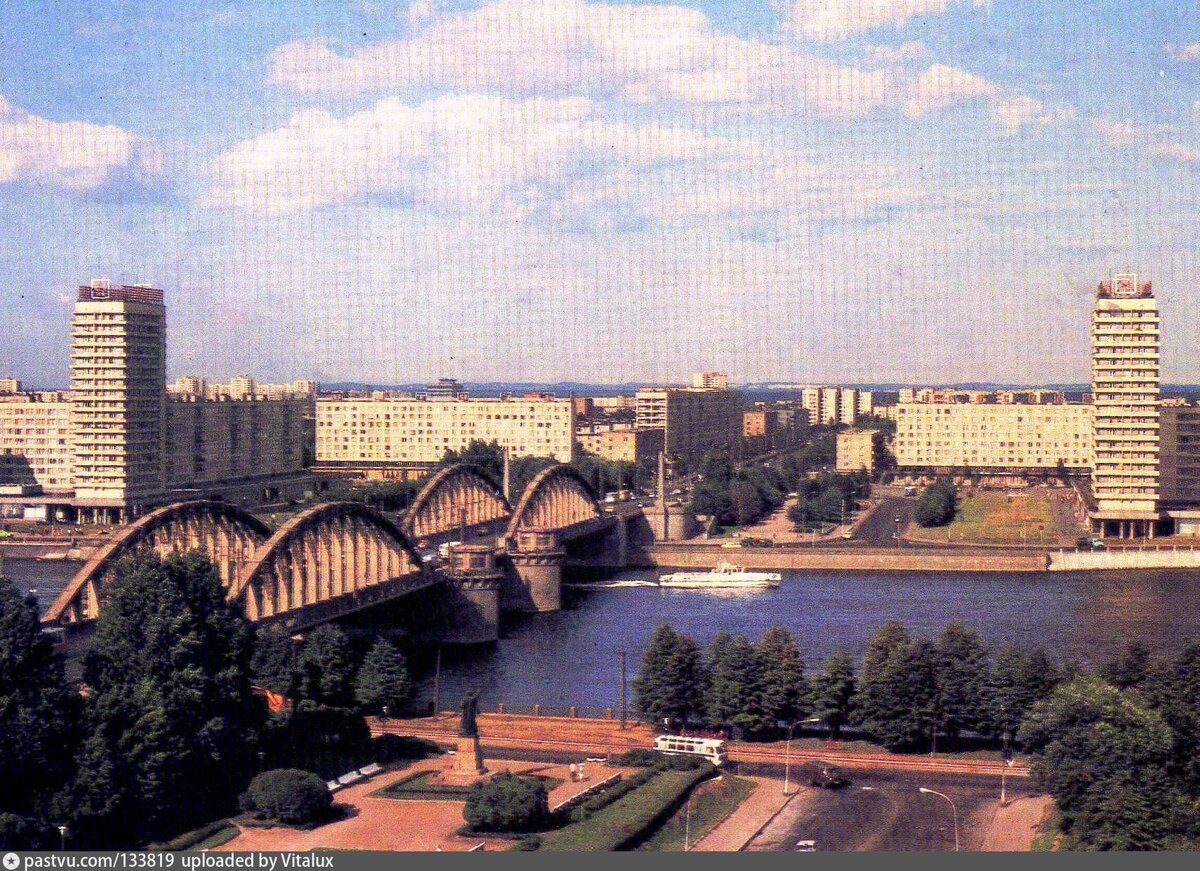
{"x": 437, "y": 684}
{"x": 507, "y": 477}
{"x": 622, "y": 688}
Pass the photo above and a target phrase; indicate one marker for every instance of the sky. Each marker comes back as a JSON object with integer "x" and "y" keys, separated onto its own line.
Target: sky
{"x": 908, "y": 191}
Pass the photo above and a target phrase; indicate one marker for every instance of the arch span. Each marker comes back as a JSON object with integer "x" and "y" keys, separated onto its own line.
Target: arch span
{"x": 229, "y": 535}
{"x": 327, "y": 553}
{"x": 459, "y": 494}
{"x": 556, "y": 498}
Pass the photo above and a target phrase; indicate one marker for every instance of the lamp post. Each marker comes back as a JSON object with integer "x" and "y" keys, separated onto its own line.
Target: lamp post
{"x": 62, "y": 835}
{"x": 687, "y": 827}
{"x": 953, "y": 810}
{"x": 897, "y": 536}
{"x": 787, "y": 752}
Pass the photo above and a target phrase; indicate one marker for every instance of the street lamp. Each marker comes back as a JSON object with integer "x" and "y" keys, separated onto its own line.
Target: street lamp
{"x": 62, "y": 835}
{"x": 787, "y": 751}
{"x": 953, "y": 810}
{"x": 897, "y": 535}
{"x": 687, "y": 827}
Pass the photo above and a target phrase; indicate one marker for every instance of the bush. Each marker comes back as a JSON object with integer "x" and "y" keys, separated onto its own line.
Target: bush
{"x": 507, "y": 803}
{"x": 288, "y": 795}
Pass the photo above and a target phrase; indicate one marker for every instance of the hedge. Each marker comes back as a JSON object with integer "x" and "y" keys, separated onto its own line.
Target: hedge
{"x": 629, "y": 819}
{"x": 190, "y": 839}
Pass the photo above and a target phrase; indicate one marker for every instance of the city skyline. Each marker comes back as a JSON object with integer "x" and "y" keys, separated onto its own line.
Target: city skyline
{"x": 772, "y": 192}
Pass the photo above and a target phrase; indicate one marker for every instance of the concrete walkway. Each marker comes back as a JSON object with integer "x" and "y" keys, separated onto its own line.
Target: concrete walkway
{"x": 738, "y": 828}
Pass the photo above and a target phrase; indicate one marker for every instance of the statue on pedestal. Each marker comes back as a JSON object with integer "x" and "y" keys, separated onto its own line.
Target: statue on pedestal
{"x": 467, "y": 727}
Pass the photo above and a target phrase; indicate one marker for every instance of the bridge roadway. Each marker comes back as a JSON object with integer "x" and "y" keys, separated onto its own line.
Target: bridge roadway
{"x": 597, "y": 737}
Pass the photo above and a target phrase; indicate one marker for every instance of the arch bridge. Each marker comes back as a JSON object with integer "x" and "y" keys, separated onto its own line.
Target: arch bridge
{"x": 458, "y": 496}
{"x": 326, "y": 561}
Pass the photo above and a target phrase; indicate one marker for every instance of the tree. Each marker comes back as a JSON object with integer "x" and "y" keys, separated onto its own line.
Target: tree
{"x": 38, "y": 712}
{"x": 323, "y": 668}
{"x": 1104, "y": 757}
{"x": 898, "y": 702}
{"x": 733, "y": 683}
{"x": 274, "y": 662}
{"x": 745, "y": 502}
{"x": 962, "y": 681}
{"x": 383, "y": 678}
{"x": 1129, "y": 669}
{"x": 507, "y": 803}
{"x": 1016, "y": 681}
{"x": 834, "y": 692}
{"x": 288, "y": 795}
{"x": 783, "y": 691}
{"x": 170, "y": 715}
{"x": 888, "y": 639}
{"x": 671, "y": 681}
{"x": 937, "y": 504}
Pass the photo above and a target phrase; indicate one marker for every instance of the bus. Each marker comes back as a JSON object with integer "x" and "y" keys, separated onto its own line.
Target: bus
{"x": 712, "y": 749}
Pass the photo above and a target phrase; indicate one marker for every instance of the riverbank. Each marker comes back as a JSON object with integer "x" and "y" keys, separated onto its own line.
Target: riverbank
{"x": 683, "y": 555}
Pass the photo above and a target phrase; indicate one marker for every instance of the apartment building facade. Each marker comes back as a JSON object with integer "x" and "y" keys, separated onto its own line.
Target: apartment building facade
{"x": 693, "y": 420}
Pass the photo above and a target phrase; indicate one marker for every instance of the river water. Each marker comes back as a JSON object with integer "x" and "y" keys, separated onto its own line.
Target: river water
{"x": 572, "y": 657}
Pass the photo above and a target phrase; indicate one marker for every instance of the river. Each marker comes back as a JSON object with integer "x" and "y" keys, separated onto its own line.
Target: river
{"x": 572, "y": 657}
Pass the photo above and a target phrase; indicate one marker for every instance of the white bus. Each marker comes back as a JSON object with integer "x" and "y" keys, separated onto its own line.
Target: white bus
{"x": 712, "y": 749}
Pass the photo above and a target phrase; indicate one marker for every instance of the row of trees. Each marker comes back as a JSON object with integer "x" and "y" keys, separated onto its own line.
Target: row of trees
{"x": 168, "y": 731}
{"x": 324, "y": 670}
{"x": 828, "y": 497}
{"x": 737, "y": 495}
{"x": 910, "y": 691}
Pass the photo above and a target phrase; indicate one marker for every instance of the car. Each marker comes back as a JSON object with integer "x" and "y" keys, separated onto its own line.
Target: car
{"x": 825, "y": 776}
{"x": 849, "y": 533}
{"x": 1097, "y": 544}
{"x": 732, "y": 544}
{"x": 910, "y": 491}
{"x": 806, "y": 846}
{"x": 757, "y": 542}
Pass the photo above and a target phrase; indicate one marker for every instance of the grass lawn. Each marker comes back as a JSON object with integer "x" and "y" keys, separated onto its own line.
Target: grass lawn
{"x": 1047, "y": 837}
{"x": 216, "y": 839}
{"x": 712, "y": 803}
{"x": 626, "y": 819}
{"x": 997, "y": 518}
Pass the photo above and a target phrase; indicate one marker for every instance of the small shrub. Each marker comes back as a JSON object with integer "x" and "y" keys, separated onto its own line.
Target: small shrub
{"x": 288, "y": 795}
{"x": 507, "y": 803}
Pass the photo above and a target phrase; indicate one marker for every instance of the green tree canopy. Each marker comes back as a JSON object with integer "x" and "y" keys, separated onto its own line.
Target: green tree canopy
{"x": 783, "y": 689}
{"x": 383, "y": 679}
{"x": 834, "y": 691}
{"x": 38, "y": 710}
{"x": 170, "y": 715}
{"x": 324, "y": 671}
{"x": 670, "y": 682}
{"x": 274, "y": 662}
{"x": 733, "y": 684}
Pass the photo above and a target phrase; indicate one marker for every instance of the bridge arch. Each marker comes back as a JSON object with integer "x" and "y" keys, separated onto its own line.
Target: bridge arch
{"x": 327, "y": 553}
{"x": 462, "y": 493}
{"x": 557, "y": 497}
{"x": 228, "y": 534}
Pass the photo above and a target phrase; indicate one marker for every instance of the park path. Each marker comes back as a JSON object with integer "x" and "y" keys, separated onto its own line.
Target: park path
{"x": 735, "y": 831}
{"x": 1014, "y": 826}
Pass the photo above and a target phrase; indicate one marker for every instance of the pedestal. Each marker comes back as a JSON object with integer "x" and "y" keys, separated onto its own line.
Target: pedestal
{"x": 469, "y": 758}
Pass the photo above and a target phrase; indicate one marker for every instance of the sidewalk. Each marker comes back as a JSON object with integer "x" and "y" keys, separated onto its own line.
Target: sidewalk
{"x": 1014, "y": 827}
{"x": 744, "y": 823}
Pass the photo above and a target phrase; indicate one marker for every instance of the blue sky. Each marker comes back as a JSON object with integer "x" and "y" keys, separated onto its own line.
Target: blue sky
{"x": 810, "y": 190}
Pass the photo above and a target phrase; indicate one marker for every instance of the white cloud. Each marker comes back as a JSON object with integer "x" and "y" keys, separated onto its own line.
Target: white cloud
{"x": 941, "y": 87}
{"x": 420, "y": 11}
{"x": 69, "y": 155}
{"x": 835, "y": 20}
{"x": 897, "y": 54}
{"x": 558, "y": 159}
{"x": 1190, "y": 52}
{"x": 639, "y": 53}
{"x": 1154, "y": 139}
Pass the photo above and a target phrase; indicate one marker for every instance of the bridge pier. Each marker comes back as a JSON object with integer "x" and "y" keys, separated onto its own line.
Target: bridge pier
{"x": 538, "y": 561}
{"x": 474, "y": 594}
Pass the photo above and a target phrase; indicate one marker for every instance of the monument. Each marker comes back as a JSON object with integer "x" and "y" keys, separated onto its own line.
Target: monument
{"x": 469, "y": 758}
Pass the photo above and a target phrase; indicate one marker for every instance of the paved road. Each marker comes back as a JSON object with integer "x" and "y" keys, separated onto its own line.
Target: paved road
{"x": 877, "y": 530}
{"x": 889, "y": 814}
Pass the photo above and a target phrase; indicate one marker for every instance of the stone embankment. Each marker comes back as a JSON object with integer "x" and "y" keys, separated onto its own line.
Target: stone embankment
{"x": 1125, "y": 559}
{"x": 684, "y": 556}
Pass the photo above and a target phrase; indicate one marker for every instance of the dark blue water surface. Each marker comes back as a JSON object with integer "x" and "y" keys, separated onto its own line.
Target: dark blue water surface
{"x": 572, "y": 657}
